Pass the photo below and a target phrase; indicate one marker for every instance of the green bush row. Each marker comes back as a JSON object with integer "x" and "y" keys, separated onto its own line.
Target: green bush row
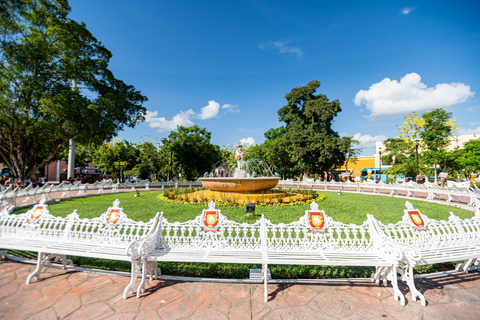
{"x": 239, "y": 271}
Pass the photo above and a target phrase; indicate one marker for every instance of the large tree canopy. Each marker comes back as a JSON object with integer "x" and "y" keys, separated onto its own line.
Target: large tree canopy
{"x": 309, "y": 119}
{"x": 192, "y": 151}
{"x": 41, "y": 52}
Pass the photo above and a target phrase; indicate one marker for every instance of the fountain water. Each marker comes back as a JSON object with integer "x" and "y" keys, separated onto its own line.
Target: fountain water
{"x": 246, "y": 177}
{"x": 252, "y": 179}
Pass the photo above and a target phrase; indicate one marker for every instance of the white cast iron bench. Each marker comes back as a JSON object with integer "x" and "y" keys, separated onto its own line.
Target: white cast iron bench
{"x": 436, "y": 241}
{"x": 315, "y": 239}
{"x": 209, "y": 238}
{"x": 108, "y": 236}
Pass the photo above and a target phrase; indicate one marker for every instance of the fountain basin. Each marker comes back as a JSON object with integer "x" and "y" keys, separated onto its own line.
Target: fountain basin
{"x": 240, "y": 185}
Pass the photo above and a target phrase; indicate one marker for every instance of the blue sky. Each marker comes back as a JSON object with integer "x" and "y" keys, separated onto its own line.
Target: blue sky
{"x": 227, "y": 65}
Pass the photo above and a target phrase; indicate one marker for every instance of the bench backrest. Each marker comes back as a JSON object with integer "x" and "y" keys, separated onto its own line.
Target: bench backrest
{"x": 112, "y": 227}
{"x": 36, "y": 223}
{"x": 212, "y": 230}
{"x": 418, "y": 230}
{"x": 317, "y": 231}
{"x": 470, "y": 228}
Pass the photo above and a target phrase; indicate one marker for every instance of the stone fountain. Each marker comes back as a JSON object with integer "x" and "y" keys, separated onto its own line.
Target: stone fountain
{"x": 250, "y": 179}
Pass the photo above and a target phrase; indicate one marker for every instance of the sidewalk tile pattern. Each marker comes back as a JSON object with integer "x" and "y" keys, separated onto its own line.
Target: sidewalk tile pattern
{"x": 67, "y": 294}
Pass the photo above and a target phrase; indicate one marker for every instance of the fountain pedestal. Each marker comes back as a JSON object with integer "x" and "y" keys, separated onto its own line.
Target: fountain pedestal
{"x": 240, "y": 185}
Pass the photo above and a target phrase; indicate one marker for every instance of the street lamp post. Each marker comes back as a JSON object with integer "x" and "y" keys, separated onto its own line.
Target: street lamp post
{"x": 380, "y": 161}
{"x": 71, "y": 150}
{"x": 119, "y": 168}
{"x": 416, "y": 151}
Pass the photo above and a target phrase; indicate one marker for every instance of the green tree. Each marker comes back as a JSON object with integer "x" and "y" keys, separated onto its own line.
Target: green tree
{"x": 350, "y": 151}
{"x": 470, "y": 158}
{"x": 105, "y": 158}
{"x": 149, "y": 161}
{"x": 41, "y": 52}
{"x": 438, "y": 127}
{"x": 116, "y": 157}
{"x": 275, "y": 152}
{"x": 308, "y": 130}
{"x": 401, "y": 155}
{"x": 192, "y": 151}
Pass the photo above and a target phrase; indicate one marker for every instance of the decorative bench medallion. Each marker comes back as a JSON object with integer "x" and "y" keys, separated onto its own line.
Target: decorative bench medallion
{"x": 36, "y": 214}
{"x": 112, "y": 217}
{"x": 417, "y": 220}
{"x": 317, "y": 221}
{"x": 316, "y": 218}
{"x": 210, "y": 218}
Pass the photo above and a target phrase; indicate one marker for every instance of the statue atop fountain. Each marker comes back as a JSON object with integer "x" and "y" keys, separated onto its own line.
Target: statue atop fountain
{"x": 239, "y": 172}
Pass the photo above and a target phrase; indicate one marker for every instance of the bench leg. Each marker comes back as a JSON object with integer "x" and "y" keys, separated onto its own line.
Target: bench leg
{"x": 150, "y": 268}
{"x": 397, "y": 294}
{"x": 465, "y": 265}
{"x": 136, "y": 265}
{"x": 40, "y": 263}
{"x": 265, "y": 280}
{"x": 386, "y": 273}
{"x": 410, "y": 280}
{"x": 141, "y": 286}
{"x": 381, "y": 274}
{"x": 153, "y": 271}
{"x": 43, "y": 259}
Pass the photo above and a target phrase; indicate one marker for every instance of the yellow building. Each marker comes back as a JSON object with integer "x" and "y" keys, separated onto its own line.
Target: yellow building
{"x": 357, "y": 166}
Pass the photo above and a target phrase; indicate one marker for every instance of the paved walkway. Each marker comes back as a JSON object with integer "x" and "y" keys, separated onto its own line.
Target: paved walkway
{"x": 67, "y": 294}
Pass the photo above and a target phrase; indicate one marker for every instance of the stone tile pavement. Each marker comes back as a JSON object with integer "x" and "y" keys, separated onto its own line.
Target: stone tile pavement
{"x": 70, "y": 294}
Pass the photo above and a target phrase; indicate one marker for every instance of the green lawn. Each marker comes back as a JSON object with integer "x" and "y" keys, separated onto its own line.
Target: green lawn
{"x": 347, "y": 208}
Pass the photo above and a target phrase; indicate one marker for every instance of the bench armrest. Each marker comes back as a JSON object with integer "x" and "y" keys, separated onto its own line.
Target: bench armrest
{"x": 405, "y": 252}
{"x": 143, "y": 246}
{"x": 139, "y": 247}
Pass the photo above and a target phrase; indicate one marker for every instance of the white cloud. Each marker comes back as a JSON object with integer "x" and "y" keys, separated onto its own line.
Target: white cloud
{"x": 184, "y": 118}
{"x": 231, "y": 108}
{"x": 407, "y": 10}
{"x": 367, "y": 141}
{"x": 163, "y": 125}
{"x": 391, "y": 98}
{"x": 463, "y": 131}
{"x": 209, "y": 111}
{"x": 281, "y": 46}
{"x": 245, "y": 142}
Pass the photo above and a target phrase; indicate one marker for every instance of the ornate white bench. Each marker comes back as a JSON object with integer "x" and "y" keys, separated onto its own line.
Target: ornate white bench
{"x": 436, "y": 241}
{"x": 9, "y": 196}
{"x": 108, "y": 236}
{"x": 210, "y": 237}
{"x": 315, "y": 239}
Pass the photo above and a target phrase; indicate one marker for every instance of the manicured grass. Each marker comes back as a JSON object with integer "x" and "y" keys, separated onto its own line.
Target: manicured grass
{"x": 347, "y": 208}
